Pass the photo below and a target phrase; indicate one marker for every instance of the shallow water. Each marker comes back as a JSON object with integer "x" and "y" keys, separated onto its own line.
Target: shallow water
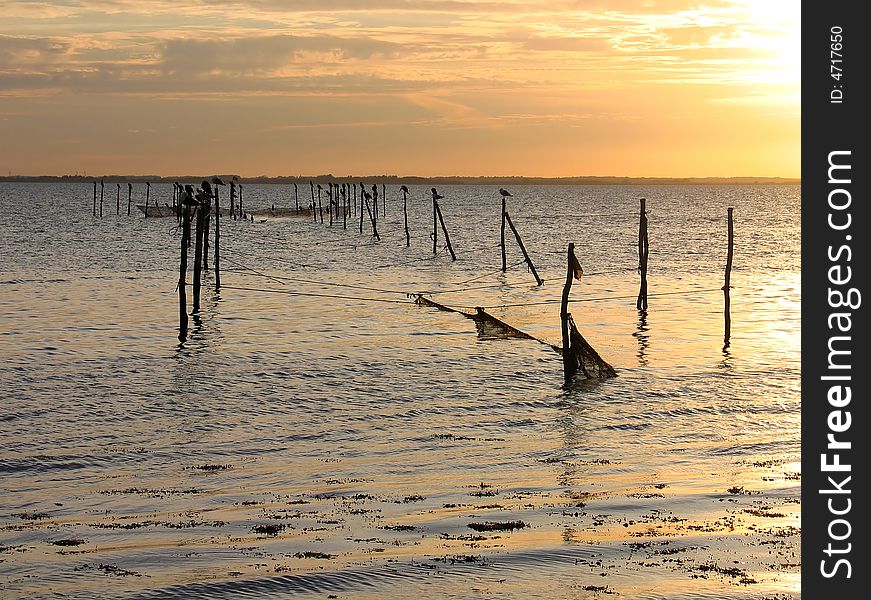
{"x": 341, "y": 443}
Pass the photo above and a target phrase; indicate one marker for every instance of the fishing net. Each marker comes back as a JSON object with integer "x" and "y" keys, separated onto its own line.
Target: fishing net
{"x": 583, "y": 358}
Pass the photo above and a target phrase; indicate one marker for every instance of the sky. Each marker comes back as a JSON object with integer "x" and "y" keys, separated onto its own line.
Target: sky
{"x": 644, "y": 88}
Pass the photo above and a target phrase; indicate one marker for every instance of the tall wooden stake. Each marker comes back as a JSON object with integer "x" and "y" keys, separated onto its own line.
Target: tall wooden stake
{"x": 296, "y": 196}
{"x": 502, "y": 237}
{"x": 362, "y": 198}
{"x": 182, "y": 273}
{"x": 198, "y": 256}
{"x": 569, "y": 361}
{"x": 728, "y": 278}
{"x": 383, "y": 200}
{"x": 643, "y": 253}
{"x": 355, "y": 199}
{"x": 118, "y": 200}
{"x": 371, "y": 217}
{"x": 95, "y": 197}
{"x": 435, "y": 225}
{"x": 217, "y": 239}
{"x": 129, "y": 197}
{"x": 375, "y": 200}
{"x": 102, "y": 187}
{"x": 147, "y": 198}
{"x": 345, "y": 208}
{"x": 507, "y": 217}
{"x": 207, "y": 221}
{"x": 445, "y": 231}
{"x": 233, "y": 199}
{"x": 241, "y": 210}
{"x": 320, "y": 206}
{"x": 405, "y": 215}
{"x": 330, "y": 209}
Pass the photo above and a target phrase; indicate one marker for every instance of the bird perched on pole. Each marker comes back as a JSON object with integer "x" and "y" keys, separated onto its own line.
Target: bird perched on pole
{"x": 504, "y": 192}
{"x": 436, "y": 195}
{"x": 187, "y": 198}
{"x": 403, "y": 189}
{"x": 217, "y": 181}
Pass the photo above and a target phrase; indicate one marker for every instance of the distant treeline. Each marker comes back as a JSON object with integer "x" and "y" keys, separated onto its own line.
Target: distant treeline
{"x": 410, "y": 180}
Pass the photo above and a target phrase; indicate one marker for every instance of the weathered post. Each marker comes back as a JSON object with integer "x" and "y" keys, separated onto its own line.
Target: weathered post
{"x": 405, "y": 214}
{"x": 435, "y": 225}
{"x": 233, "y": 199}
{"x": 505, "y": 194}
{"x": 362, "y": 198}
{"x": 320, "y": 206}
{"x": 445, "y": 231}
{"x": 366, "y": 197}
{"x": 569, "y": 361}
{"x": 218, "y": 183}
{"x": 148, "y": 197}
{"x": 95, "y": 197}
{"x": 330, "y": 209}
{"x": 375, "y": 200}
{"x": 507, "y": 217}
{"x": 129, "y": 197}
{"x": 182, "y": 269}
{"x": 643, "y": 253}
{"x": 241, "y": 210}
{"x": 102, "y": 188}
{"x": 118, "y": 200}
{"x": 355, "y": 199}
{"x": 198, "y": 249}
{"x": 345, "y": 207}
{"x": 383, "y": 200}
{"x": 728, "y": 279}
{"x": 296, "y": 196}
{"x": 207, "y": 221}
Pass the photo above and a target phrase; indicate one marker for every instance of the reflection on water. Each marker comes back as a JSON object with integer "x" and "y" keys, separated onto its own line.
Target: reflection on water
{"x": 321, "y": 444}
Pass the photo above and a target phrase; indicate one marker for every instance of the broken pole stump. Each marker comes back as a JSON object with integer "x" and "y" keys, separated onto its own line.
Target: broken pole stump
{"x": 507, "y": 217}
{"x": 643, "y": 253}
{"x": 727, "y": 301}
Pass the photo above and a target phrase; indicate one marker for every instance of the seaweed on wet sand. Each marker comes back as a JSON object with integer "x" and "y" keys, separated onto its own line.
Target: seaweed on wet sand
{"x": 108, "y": 569}
{"x": 314, "y": 554}
{"x": 268, "y": 529}
{"x": 498, "y": 525}
{"x": 68, "y": 542}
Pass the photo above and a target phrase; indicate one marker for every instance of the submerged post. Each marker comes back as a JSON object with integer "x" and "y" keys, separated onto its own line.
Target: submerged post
{"x": 507, "y": 217}
{"x": 643, "y": 253}
{"x": 345, "y": 208}
{"x": 728, "y": 278}
{"x": 375, "y": 201}
{"x": 207, "y": 221}
{"x": 445, "y": 231}
{"x": 182, "y": 270}
{"x": 129, "y": 197}
{"x": 569, "y": 366}
{"x": 405, "y": 214}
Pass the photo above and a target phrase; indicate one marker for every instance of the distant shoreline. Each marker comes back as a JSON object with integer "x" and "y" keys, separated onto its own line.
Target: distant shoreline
{"x": 412, "y": 180}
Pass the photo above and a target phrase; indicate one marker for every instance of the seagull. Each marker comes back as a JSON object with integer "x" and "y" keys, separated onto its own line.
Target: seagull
{"x": 504, "y": 192}
{"x": 188, "y": 197}
{"x": 436, "y": 195}
{"x": 206, "y": 187}
{"x": 404, "y": 189}
{"x": 217, "y": 180}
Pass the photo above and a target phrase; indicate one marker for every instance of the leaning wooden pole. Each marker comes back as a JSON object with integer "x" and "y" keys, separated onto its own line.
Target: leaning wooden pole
{"x": 643, "y": 253}
{"x": 366, "y": 197}
{"x": 528, "y": 260}
{"x": 182, "y": 272}
{"x": 445, "y": 231}
{"x": 198, "y": 255}
{"x": 728, "y": 279}
{"x": 502, "y": 236}
{"x": 569, "y": 362}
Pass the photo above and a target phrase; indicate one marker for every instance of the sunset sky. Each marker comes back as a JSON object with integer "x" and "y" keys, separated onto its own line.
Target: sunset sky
{"x": 672, "y": 88}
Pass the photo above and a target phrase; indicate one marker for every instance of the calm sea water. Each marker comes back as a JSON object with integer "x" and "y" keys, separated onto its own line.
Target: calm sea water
{"x": 334, "y": 444}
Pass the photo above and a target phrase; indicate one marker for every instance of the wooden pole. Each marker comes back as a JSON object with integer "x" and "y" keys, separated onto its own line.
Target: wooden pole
{"x": 118, "y": 200}
{"x": 383, "y": 200}
{"x": 198, "y": 255}
{"x": 405, "y": 215}
{"x": 569, "y": 361}
{"x": 362, "y": 198}
{"x": 217, "y": 239}
{"x": 182, "y": 272}
{"x": 366, "y": 197}
{"x": 643, "y": 253}
{"x": 728, "y": 279}
{"x": 241, "y": 210}
{"x": 435, "y": 227}
{"x": 320, "y": 206}
{"x": 233, "y": 199}
{"x": 355, "y": 199}
{"x": 502, "y": 236}
{"x": 95, "y": 197}
{"x": 330, "y": 210}
{"x": 147, "y": 198}
{"x": 375, "y": 200}
{"x": 129, "y": 197}
{"x": 207, "y": 221}
{"x": 507, "y": 217}
{"x": 296, "y": 196}
{"x": 445, "y": 231}
{"x": 102, "y": 188}
{"x": 345, "y": 208}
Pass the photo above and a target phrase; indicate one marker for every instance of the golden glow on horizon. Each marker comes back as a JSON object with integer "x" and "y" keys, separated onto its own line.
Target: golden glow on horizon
{"x": 667, "y": 88}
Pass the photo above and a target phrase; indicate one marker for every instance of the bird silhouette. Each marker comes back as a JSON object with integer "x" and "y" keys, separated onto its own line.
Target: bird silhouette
{"x": 207, "y": 188}
{"x": 504, "y": 192}
{"x": 217, "y": 180}
{"x": 436, "y": 195}
{"x": 187, "y": 198}
{"x": 404, "y": 189}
